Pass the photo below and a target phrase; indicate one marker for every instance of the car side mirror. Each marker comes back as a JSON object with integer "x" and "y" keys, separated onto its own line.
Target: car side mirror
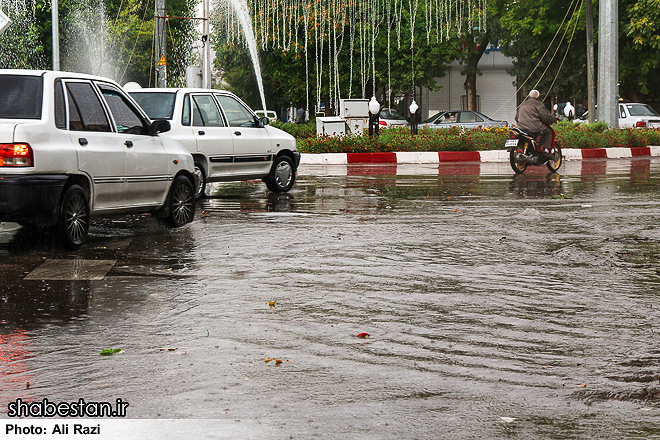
{"x": 160, "y": 126}
{"x": 264, "y": 121}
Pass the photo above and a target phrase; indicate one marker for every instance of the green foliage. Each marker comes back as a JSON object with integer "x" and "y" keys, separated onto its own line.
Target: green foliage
{"x": 640, "y": 49}
{"x": 400, "y": 139}
{"x": 298, "y": 131}
{"x": 394, "y": 139}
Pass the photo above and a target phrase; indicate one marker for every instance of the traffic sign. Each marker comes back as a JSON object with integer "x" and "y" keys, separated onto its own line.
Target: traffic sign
{"x": 4, "y": 22}
{"x": 162, "y": 61}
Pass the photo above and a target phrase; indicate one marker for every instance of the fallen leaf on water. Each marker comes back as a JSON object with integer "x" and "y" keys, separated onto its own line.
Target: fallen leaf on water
{"x": 271, "y": 303}
{"x": 584, "y": 385}
{"x": 363, "y": 335}
{"x": 166, "y": 348}
{"x": 508, "y": 419}
{"x": 110, "y": 351}
{"x": 456, "y": 210}
{"x": 277, "y": 361}
{"x": 267, "y": 359}
{"x": 27, "y": 386}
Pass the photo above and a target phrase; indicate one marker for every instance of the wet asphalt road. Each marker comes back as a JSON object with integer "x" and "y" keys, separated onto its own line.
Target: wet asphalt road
{"x": 497, "y": 307}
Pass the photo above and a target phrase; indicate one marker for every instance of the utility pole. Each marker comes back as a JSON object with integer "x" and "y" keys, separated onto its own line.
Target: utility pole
{"x": 608, "y": 62}
{"x": 161, "y": 44}
{"x": 55, "y": 29}
{"x": 591, "y": 93}
{"x": 206, "y": 49}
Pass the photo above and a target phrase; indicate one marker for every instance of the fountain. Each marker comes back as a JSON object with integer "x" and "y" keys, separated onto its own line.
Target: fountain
{"x": 240, "y": 8}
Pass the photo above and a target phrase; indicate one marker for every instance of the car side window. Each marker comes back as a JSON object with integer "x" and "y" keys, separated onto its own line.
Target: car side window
{"x": 60, "y": 106}
{"x": 185, "y": 114}
{"x": 447, "y": 118}
{"x": 236, "y": 113}
{"x": 206, "y": 112}
{"x": 622, "y": 112}
{"x": 126, "y": 117}
{"x": 469, "y": 117}
{"x": 85, "y": 110}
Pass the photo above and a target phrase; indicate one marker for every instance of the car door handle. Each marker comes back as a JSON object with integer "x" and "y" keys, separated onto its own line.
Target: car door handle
{"x": 201, "y": 132}
{"x": 82, "y": 141}
{"x": 128, "y": 144}
{"x": 237, "y": 133}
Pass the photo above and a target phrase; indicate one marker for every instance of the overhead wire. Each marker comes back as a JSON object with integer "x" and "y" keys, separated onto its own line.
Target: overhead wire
{"x": 571, "y": 6}
{"x": 567, "y": 50}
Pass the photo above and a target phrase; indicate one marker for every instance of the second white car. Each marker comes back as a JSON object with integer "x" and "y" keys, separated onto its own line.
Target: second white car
{"x": 226, "y": 138}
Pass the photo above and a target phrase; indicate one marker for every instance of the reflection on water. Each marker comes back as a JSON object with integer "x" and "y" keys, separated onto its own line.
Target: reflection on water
{"x": 495, "y": 309}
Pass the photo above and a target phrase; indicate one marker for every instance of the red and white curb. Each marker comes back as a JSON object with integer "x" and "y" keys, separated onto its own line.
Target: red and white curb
{"x": 493, "y": 156}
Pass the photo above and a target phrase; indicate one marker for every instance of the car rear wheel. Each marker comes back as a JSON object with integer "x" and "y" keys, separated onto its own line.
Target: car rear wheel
{"x": 182, "y": 202}
{"x": 73, "y": 224}
{"x": 282, "y": 175}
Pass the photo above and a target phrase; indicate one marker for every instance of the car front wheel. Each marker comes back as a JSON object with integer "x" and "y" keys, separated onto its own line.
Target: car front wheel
{"x": 73, "y": 224}
{"x": 282, "y": 175}
{"x": 182, "y": 202}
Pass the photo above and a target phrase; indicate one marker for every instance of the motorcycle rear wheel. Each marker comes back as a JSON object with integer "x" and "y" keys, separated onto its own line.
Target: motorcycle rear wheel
{"x": 518, "y": 167}
{"x": 556, "y": 159}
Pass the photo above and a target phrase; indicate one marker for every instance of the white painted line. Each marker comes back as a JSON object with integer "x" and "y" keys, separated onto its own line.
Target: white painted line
{"x": 618, "y": 153}
{"x": 417, "y": 157}
{"x": 572, "y": 154}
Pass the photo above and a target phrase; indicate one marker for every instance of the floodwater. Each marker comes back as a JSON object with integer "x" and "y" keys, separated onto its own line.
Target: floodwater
{"x": 497, "y": 306}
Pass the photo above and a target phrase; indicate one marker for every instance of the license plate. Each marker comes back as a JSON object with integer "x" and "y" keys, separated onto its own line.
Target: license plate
{"x": 511, "y": 143}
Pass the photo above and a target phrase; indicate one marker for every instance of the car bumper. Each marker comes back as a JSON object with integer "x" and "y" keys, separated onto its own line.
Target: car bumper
{"x": 30, "y": 199}
{"x": 296, "y": 159}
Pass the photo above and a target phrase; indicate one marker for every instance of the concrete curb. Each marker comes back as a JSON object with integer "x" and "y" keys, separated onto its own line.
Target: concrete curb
{"x": 492, "y": 156}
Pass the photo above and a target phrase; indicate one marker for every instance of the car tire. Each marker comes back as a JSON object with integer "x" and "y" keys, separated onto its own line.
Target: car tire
{"x": 181, "y": 202}
{"x": 200, "y": 181}
{"x": 73, "y": 224}
{"x": 282, "y": 175}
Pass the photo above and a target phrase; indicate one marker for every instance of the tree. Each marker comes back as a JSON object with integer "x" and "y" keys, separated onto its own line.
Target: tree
{"x": 547, "y": 40}
{"x": 640, "y": 50}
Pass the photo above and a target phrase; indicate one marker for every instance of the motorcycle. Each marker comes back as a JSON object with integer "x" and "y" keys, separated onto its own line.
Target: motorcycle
{"x": 524, "y": 150}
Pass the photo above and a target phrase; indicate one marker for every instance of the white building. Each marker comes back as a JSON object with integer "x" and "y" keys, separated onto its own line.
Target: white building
{"x": 496, "y": 93}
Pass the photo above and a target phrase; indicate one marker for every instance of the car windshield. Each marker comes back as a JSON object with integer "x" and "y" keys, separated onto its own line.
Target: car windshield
{"x": 433, "y": 118}
{"x": 641, "y": 110}
{"x": 21, "y": 96}
{"x": 390, "y": 113}
{"x": 157, "y": 105}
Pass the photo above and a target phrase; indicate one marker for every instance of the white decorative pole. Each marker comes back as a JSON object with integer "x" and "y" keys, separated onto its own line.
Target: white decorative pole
{"x": 608, "y": 62}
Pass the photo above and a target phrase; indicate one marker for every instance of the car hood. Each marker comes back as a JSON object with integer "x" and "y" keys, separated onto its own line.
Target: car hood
{"x": 281, "y": 135}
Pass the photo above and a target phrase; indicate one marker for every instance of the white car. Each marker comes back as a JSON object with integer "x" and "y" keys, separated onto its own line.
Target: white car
{"x": 227, "y": 140}
{"x": 632, "y": 115}
{"x": 74, "y": 146}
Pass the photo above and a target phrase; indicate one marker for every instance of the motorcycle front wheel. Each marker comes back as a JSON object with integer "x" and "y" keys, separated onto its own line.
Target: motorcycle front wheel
{"x": 555, "y": 160}
{"x": 518, "y": 166}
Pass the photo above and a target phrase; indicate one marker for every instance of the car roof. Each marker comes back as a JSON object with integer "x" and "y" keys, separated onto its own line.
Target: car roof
{"x": 55, "y": 74}
{"x": 179, "y": 89}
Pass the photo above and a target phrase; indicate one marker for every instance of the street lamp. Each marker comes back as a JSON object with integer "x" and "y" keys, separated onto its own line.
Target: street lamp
{"x": 413, "y": 118}
{"x": 374, "y": 110}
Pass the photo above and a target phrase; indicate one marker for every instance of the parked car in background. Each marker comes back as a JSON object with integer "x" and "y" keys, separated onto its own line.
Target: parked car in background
{"x": 226, "y": 138}
{"x": 270, "y": 114}
{"x": 631, "y": 115}
{"x": 461, "y": 118}
{"x": 75, "y": 146}
{"x": 389, "y": 117}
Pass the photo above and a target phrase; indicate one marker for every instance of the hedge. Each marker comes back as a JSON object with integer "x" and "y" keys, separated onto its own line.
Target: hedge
{"x": 455, "y": 139}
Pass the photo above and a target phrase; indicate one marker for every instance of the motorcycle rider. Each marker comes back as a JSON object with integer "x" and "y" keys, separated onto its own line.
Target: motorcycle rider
{"x": 532, "y": 116}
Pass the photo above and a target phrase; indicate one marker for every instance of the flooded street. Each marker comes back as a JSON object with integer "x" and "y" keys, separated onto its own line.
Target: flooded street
{"x": 496, "y": 306}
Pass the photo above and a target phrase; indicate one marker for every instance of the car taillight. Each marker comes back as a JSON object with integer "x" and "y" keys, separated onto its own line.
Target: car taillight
{"x": 382, "y": 123}
{"x": 640, "y": 124}
{"x": 16, "y": 155}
